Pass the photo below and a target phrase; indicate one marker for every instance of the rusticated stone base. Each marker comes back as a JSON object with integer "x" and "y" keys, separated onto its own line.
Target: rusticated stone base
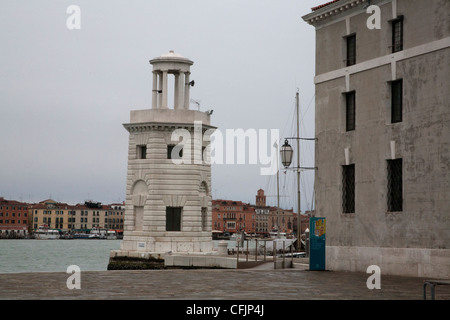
{"x": 132, "y": 260}
{"x": 131, "y": 263}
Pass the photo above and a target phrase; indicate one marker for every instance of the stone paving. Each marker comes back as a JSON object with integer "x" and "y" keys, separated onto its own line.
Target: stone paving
{"x": 208, "y": 284}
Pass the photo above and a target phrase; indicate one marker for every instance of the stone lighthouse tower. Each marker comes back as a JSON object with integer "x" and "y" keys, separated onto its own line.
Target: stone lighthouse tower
{"x": 168, "y": 193}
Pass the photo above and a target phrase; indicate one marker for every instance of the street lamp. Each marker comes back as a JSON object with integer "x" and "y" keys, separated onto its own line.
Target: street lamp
{"x": 286, "y": 154}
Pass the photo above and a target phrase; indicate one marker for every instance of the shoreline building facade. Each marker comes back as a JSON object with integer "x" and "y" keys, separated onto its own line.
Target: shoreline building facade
{"x": 229, "y": 216}
{"x": 13, "y": 219}
{"x": 383, "y": 134}
{"x": 168, "y": 193}
{"x": 79, "y": 217}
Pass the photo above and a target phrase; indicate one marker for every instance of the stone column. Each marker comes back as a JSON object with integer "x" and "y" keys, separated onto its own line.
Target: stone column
{"x": 181, "y": 90}
{"x": 155, "y": 91}
{"x": 160, "y": 85}
{"x": 186, "y": 90}
{"x": 176, "y": 91}
{"x": 164, "y": 90}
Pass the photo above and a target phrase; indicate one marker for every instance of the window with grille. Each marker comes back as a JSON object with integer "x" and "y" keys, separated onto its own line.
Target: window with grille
{"x": 351, "y": 50}
{"x": 395, "y": 185}
{"x": 141, "y": 152}
{"x": 174, "y": 152}
{"x": 350, "y": 111}
{"x": 173, "y": 218}
{"x": 348, "y": 188}
{"x": 396, "y": 101}
{"x": 397, "y": 34}
{"x": 204, "y": 219}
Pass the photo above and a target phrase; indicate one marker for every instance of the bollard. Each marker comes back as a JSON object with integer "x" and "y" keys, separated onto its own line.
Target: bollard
{"x": 246, "y": 257}
{"x": 274, "y": 254}
{"x": 265, "y": 250}
{"x": 292, "y": 257}
{"x": 307, "y": 242}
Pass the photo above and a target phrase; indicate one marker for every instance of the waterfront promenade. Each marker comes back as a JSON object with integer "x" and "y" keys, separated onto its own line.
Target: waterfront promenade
{"x": 261, "y": 283}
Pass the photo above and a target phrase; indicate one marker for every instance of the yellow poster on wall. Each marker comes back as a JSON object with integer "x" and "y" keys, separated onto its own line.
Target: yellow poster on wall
{"x": 319, "y": 229}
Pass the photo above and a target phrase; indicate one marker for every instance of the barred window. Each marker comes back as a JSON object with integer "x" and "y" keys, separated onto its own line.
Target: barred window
{"x": 351, "y": 50}
{"x": 173, "y": 219}
{"x": 174, "y": 152}
{"x": 395, "y": 185}
{"x": 348, "y": 188}
{"x": 397, "y": 34}
{"x": 396, "y": 101}
{"x": 204, "y": 219}
{"x": 350, "y": 111}
{"x": 141, "y": 152}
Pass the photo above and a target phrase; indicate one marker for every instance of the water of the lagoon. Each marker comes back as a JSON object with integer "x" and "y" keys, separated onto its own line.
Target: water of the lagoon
{"x": 26, "y": 255}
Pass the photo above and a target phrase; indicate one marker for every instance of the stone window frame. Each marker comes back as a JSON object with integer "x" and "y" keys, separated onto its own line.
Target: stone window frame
{"x": 395, "y": 185}
{"x": 397, "y": 31}
{"x": 348, "y": 188}
{"x": 174, "y": 219}
{"x": 350, "y": 115}
{"x": 396, "y": 100}
{"x": 350, "y": 49}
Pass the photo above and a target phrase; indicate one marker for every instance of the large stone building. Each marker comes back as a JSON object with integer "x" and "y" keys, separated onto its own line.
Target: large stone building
{"x": 168, "y": 192}
{"x": 383, "y": 138}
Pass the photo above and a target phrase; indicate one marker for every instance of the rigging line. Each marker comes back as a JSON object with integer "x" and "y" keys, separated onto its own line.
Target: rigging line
{"x": 302, "y": 124}
{"x": 290, "y": 117}
{"x": 309, "y": 105}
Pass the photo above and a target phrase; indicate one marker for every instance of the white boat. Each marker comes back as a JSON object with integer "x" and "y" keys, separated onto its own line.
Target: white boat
{"x": 280, "y": 244}
{"x": 277, "y": 235}
{"x": 111, "y": 235}
{"x": 46, "y": 233}
{"x": 81, "y": 235}
{"x": 97, "y": 233}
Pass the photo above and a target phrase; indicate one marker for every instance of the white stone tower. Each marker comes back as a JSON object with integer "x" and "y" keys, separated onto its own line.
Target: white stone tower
{"x": 168, "y": 195}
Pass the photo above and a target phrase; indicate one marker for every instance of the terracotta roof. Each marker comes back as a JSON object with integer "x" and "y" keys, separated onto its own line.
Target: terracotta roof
{"x": 324, "y": 5}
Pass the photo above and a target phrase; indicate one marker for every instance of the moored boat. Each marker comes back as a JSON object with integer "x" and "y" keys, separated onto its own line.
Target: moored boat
{"x": 44, "y": 232}
{"x": 97, "y": 233}
{"x": 111, "y": 235}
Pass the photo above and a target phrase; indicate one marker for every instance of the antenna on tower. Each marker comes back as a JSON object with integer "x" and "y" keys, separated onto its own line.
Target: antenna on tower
{"x": 197, "y": 102}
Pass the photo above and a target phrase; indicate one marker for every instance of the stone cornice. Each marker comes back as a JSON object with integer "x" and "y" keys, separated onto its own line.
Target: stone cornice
{"x": 333, "y": 9}
{"x": 161, "y": 126}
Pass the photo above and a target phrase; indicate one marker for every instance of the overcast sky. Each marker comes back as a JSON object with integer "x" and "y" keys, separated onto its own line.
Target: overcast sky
{"x": 64, "y": 94}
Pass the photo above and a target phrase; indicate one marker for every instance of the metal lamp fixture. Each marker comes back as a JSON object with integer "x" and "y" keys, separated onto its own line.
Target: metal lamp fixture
{"x": 286, "y": 154}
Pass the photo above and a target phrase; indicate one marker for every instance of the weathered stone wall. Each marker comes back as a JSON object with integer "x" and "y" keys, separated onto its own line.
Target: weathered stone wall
{"x": 417, "y": 239}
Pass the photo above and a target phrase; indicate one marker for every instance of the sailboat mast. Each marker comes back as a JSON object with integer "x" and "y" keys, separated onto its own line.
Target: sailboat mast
{"x": 278, "y": 194}
{"x": 299, "y": 220}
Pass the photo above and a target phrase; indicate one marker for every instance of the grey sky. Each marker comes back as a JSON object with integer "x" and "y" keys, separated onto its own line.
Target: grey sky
{"x": 64, "y": 94}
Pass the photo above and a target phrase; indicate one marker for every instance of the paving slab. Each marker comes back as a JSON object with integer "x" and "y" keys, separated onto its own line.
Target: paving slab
{"x": 206, "y": 284}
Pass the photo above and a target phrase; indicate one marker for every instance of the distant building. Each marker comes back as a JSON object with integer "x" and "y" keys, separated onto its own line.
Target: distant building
{"x": 229, "y": 216}
{"x": 67, "y": 217}
{"x": 383, "y": 134}
{"x": 13, "y": 219}
{"x": 281, "y": 220}
{"x": 233, "y": 216}
{"x": 262, "y": 214}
